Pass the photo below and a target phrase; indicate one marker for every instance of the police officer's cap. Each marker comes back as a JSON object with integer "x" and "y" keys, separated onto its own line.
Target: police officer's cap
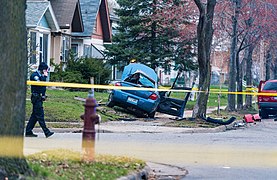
{"x": 42, "y": 66}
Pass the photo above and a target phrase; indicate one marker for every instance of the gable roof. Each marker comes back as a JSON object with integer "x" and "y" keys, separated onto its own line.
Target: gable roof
{"x": 68, "y": 13}
{"x": 35, "y": 12}
{"x": 105, "y": 21}
{"x": 89, "y": 10}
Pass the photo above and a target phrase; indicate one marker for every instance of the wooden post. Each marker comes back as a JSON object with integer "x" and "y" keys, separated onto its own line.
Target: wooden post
{"x": 92, "y": 82}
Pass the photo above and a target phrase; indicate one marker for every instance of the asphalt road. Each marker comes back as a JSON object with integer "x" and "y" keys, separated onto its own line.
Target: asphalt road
{"x": 244, "y": 153}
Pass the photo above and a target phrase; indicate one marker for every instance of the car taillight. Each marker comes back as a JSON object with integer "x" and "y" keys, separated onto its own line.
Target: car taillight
{"x": 153, "y": 96}
{"x": 117, "y": 84}
{"x": 265, "y": 99}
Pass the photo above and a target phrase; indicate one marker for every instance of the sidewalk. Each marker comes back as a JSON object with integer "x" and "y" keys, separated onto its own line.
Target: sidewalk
{"x": 144, "y": 126}
{"x": 155, "y": 125}
{"x": 151, "y": 127}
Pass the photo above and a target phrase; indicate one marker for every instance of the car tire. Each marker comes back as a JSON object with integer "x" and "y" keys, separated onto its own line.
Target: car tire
{"x": 263, "y": 114}
{"x": 110, "y": 102}
{"x": 152, "y": 114}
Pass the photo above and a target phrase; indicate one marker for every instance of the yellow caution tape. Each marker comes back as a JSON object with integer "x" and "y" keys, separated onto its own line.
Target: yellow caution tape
{"x": 110, "y": 87}
{"x": 251, "y": 89}
{"x": 11, "y": 146}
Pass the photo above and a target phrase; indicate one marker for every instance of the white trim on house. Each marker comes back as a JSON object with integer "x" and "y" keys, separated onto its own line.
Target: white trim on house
{"x": 39, "y": 34}
{"x": 52, "y": 21}
{"x": 96, "y": 46}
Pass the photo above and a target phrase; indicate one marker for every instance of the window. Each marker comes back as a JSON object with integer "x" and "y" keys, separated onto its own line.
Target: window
{"x": 167, "y": 70}
{"x": 33, "y": 48}
{"x": 145, "y": 81}
{"x": 270, "y": 86}
{"x": 43, "y": 48}
{"x": 74, "y": 49}
{"x": 139, "y": 78}
{"x": 87, "y": 50}
{"x": 65, "y": 48}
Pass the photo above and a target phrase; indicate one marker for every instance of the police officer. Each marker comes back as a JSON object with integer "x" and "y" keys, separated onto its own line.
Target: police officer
{"x": 37, "y": 98}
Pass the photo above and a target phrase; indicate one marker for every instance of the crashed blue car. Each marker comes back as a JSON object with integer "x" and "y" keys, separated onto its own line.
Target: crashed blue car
{"x": 142, "y": 102}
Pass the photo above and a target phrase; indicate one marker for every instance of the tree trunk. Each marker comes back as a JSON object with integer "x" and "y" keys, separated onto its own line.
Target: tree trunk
{"x": 275, "y": 64}
{"x": 239, "y": 83}
{"x": 249, "y": 53}
{"x": 249, "y": 78}
{"x": 204, "y": 37}
{"x": 13, "y": 72}
{"x": 154, "y": 63}
{"x": 232, "y": 65}
{"x": 240, "y": 69}
{"x": 268, "y": 64}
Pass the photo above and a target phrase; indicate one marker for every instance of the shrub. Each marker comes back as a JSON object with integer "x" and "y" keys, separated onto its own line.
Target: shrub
{"x": 81, "y": 70}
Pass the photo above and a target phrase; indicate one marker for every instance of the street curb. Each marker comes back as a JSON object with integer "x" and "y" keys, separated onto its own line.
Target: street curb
{"x": 143, "y": 174}
{"x": 157, "y": 171}
{"x": 221, "y": 128}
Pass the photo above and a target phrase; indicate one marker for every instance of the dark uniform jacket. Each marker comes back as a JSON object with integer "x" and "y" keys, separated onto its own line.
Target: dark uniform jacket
{"x": 37, "y": 76}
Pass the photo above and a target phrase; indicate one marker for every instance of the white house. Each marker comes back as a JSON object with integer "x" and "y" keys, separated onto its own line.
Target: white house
{"x": 40, "y": 22}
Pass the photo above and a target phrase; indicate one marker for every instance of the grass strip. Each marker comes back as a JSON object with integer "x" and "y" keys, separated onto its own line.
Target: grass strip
{"x": 63, "y": 164}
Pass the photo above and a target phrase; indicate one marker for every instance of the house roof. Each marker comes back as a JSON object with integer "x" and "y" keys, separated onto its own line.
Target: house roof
{"x": 105, "y": 21}
{"x": 35, "y": 12}
{"x": 68, "y": 13}
{"x": 89, "y": 10}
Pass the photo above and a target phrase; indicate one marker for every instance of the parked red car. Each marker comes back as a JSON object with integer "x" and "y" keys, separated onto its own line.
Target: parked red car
{"x": 267, "y": 104}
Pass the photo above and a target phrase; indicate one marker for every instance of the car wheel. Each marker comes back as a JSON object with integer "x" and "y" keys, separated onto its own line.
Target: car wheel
{"x": 152, "y": 114}
{"x": 110, "y": 102}
{"x": 263, "y": 114}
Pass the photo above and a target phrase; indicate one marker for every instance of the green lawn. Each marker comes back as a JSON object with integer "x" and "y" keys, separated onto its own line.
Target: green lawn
{"x": 64, "y": 164}
{"x": 212, "y": 102}
{"x": 62, "y": 107}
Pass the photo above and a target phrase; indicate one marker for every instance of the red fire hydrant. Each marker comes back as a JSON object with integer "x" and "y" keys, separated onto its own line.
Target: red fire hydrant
{"x": 90, "y": 119}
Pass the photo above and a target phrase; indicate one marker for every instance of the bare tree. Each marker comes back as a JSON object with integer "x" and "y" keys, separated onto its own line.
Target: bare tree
{"x": 112, "y": 4}
{"x": 268, "y": 63}
{"x": 204, "y": 36}
{"x": 249, "y": 76}
{"x": 232, "y": 70}
{"x": 13, "y": 71}
{"x": 275, "y": 63}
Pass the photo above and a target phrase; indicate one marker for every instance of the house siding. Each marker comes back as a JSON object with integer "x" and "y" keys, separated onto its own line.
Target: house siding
{"x": 98, "y": 30}
{"x": 44, "y": 23}
{"x": 56, "y": 49}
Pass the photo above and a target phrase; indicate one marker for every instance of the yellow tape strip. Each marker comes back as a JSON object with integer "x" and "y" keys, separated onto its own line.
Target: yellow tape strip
{"x": 90, "y": 86}
{"x": 11, "y": 146}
